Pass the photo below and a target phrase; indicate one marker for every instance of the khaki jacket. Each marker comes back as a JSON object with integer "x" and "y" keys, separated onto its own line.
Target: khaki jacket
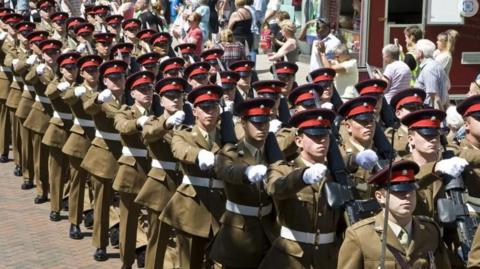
{"x": 28, "y": 94}
{"x": 401, "y": 140}
{"x": 361, "y": 248}
{"x": 5, "y": 75}
{"x": 16, "y": 87}
{"x": 286, "y": 141}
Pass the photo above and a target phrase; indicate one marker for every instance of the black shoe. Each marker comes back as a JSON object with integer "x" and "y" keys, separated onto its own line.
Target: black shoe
{"x": 4, "y": 158}
{"x": 40, "y": 199}
{"x": 114, "y": 235}
{"x": 75, "y": 232}
{"x": 65, "y": 205}
{"x": 55, "y": 216}
{"x": 27, "y": 185}
{"x": 141, "y": 257}
{"x": 100, "y": 255}
{"x": 17, "y": 171}
{"x": 126, "y": 266}
{"x": 88, "y": 219}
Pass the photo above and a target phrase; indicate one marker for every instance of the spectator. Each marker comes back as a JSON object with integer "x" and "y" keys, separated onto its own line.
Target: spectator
{"x": 325, "y": 38}
{"x": 194, "y": 34}
{"x": 275, "y": 28}
{"x": 233, "y": 50}
{"x": 241, "y": 23}
{"x": 204, "y": 10}
{"x": 397, "y": 73}
{"x": 432, "y": 77}
{"x": 146, "y": 16}
{"x": 289, "y": 48}
{"x": 346, "y": 68}
{"x": 445, "y": 47}
{"x": 126, "y": 9}
{"x": 474, "y": 87}
{"x": 412, "y": 35}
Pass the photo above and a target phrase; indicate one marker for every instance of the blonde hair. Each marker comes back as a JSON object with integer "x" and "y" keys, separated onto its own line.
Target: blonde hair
{"x": 449, "y": 37}
{"x": 226, "y": 36}
{"x": 288, "y": 26}
{"x": 240, "y": 3}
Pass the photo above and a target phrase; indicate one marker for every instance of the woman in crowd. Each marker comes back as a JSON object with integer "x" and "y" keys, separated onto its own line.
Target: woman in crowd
{"x": 445, "y": 46}
{"x": 240, "y": 24}
{"x": 289, "y": 49}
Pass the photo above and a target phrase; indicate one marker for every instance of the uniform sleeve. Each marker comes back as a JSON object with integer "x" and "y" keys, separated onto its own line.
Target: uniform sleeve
{"x": 350, "y": 254}
{"x": 69, "y": 96}
{"x": 426, "y": 176}
{"x": 31, "y": 77}
{"x": 47, "y": 76}
{"x": 90, "y": 105}
{"x": 51, "y": 91}
{"x": 474, "y": 255}
{"x": 154, "y": 129}
{"x": 10, "y": 53}
{"x": 286, "y": 141}
{"x": 125, "y": 123}
{"x": 283, "y": 181}
{"x": 229, "y": 170}
{"x": 182, "y": 150}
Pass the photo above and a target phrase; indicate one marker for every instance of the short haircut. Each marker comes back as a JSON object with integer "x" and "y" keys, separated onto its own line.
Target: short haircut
{"x": 426, "y": 46}
{"x": 415, "y": 31}
{"x": 341, "y": 50}
{"x": 226, "y": 35}
{"x": 196, "y": 17}
{"x": 392, "y": 50}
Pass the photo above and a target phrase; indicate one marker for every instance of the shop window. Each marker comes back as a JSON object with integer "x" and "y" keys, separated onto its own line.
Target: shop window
{"x": 402, "y": 12}
{"x": 349, "y": 23}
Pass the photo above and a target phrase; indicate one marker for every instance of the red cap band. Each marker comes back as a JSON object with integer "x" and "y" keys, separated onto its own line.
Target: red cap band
{"x": 403, "y": 176}
{"x": 360, "y": 109}
{"x": 257, "y": 111}
{"x": 161, "y": 39}
{"x": 198, "y": 71}
{"x": 171, "y": 87}
{"x": 409, "y": 100}
{"x": 244, "y": 68}
{"x": 371, "y": 89}
{"x": 141, "y": 80}
{"x": 314, "y": 123}
{"x": 285, "y": 70}
{"x": 69, "y": 60}
{"x": 206, "y": 97}
{"x": 131, "y": 24}
{"x": 89, "y": 64}
{"x": 228, "y": 79}
{"x": 114, "y": 69}
{"x": 471, "y": 109}
{"x": 304, "y": 96}
{"x": 322, "y": 77}
{"x": 172, "y": 66}
{"x": 269, "y": 89}
{"x": 426, "y": 123}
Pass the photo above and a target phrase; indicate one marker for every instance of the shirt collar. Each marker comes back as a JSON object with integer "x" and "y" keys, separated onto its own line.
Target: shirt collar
{"x": 206, "y": 134}
{"x": 142, "y": 110}
{"x": 307, "y": 163}
{"x": 251, "y": 148}
{"x": 397, "y": 229}
{"x": 356, "y": 144}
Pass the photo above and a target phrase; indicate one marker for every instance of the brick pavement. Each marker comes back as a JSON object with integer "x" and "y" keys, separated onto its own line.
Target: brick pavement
{"x": 29, "y": 240}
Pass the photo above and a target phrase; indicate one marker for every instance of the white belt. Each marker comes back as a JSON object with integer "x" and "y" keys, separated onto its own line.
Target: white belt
{"x": 202, "y": 182}
{"x": 126, "y": 151}
{"x": 83, "y": 122}
{"x": 107, "y": 135}
{"x": 28, "y": 88}
{"x": 5, "y": 69}
{"x": 308, "y": 238}
{"x": 473, "y": 208}
{"x": 246, "y": 210}
{"x": 63, "y": 116}
{"x": 164, "y": 165}
{"x": 17, "y": 78}
{"x": 42, "y": 99}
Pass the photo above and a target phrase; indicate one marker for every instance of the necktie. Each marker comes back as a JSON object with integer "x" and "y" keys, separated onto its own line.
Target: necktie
{"x": 403, "y": 238}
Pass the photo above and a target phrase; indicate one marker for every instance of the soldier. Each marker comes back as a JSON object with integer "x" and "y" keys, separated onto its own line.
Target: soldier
{"x": 165, "y": 175}
{"x": 78, "y": 142}
{"x": 242, "y": 168}
{"x": 149, "y": 62}
{"x": 114, "y": 23}
{"x": 374, "y": 88}
{"x": 412, "y": 241}
{"x": 58, "y": 20}
{"x": 197, "y": 74}
{"x": 144, "y": 37}
{"x": 46, "y": 8}
{"x": 357, "y": 147}
{"x": 70, "y": 24}
{"x": 244, "y": 84}
{"x": 285, "y": 72}
{"x": 58, "y": 130}
{"x": 198, "y": 203}
{"x": 83, "y": 33}
{"x": 228, "y": 82}
{"x": 213, "y": 57}
{"x": 101, "y": 158}
{"x": 101, "y": 12}
{"x": 171, "y": 67}
{"x": 103, "y": 43}
{"x": 271, "y": 89}
{"x": 186, "y": 51}
{"x": 324, "y": 77}
{"x": 130, "y": 29}
{"x": 134, "y": 163}
{"x": 404, "y": 102}
{"x": 308, "y": 224}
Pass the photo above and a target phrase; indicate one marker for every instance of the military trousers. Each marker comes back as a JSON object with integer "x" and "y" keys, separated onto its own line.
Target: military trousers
{"x": 158, "y": 235}
{"x": 76, "y": 197}
{"x": 129, "y": 213}
{"x": 103, "y": 194}
{"x": 26, "y": 152}
{"x": 58, "y": 174}
{"x": 40, "y": 164}
{"x": 16, "y": 138}
{"x": 192, "y": 250}
{"x": 5, "y": 129}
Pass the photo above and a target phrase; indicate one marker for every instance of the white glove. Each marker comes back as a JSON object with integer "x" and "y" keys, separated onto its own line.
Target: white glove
{"x": 141, "y": 121}
{"x": 105, "y": 96}
{"x": 40, "y": 69}
{"x": 327, "y": 105}
{"x": 314, "y": 173}
{"x": 366, "y": 159}
{"x": 228, "y": 106}
{"x": 31, "y": 59}
{"x": 62, "y": 86}
{"x": 3, "y": 35}
{"x": 256, "y": 173}
{"x": 275, "y": 125}
{"x": 14, "y": 63}
{"x": 176, "y": 119}
{"x": 79, "y": 91}
{"x": 206, "y": 159}
{"x": 452, "y": 167}
{"x": 81, "y": 47}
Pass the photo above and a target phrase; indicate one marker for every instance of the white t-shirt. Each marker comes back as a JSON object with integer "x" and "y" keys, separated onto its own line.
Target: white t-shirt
{"x": 331, "y": 43}
{"x": 400, "y": 76}
{"x": 345, "y": 82}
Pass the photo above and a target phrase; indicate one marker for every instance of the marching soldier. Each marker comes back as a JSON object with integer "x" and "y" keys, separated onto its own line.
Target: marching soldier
{"x": 58, "y": 20}
{"x": 374, "y": 88}
{"x": 144, "y": 37}
{"x": 130, "y": 29}
{"x": 78, "y": 142}
{"x": 197, "y": 74}
{"x": 248, "y": 224}
{"x": 83, "y": 33}
{"x": 404, "y": 102}
{"x": 103, "y": 43}
{"x": 244, "y": 84}
{"x": 171, "y": 67}
{"x": 134, "y": 163}
{"x": 324, "y": 77}
{"x": 412, "y": 241}
{"x": 123, "y": 51}
{"x": 308, "y": 235}
{"x": 285, "y": 72}
{"x": 149, "y": 62}
{"x": 228, "y": 82}
{"x": 46, "y": 8}
{"x": 101, "y": 158}
{"x": 101, "y": 12}
{"x": 165, "y": 175}
{"x": 114, "y": 23}
{"x": 198, "y": 203}
{"x": 58, "y": 130}
{"x": 70, "y": 24}
{"x": 186, "y": 51}
{"x": 213, "y": 57}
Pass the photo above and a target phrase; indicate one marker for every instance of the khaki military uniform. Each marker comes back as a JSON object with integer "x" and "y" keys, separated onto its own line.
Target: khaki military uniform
{"x": 286, "y": 141}
{"x": 55, "y": 137}
{"x": 304, "y": 214}
{"x": 45, "y": 26}
{"x": 162, "y": 181}
{"x": 101, "y": 162}
{"x": 196, "y": 208}
{"x": 134, "y": 165}
{"x": 245, "y": 235}
{"x": 400, "y": 144}
{"x": 37, "y": 121}
{"x": 78, "y": 142}
{"x": 361, "y": 248}
{"x": 474, "y": 255}
{"x": 5, "y": 124}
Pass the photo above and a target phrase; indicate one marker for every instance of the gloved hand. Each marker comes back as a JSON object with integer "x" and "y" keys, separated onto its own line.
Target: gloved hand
{"x": 31, "y": 59}
{"x": 40, "y": 69}
{"x": 228, "y": 106}
{"x": 256, "y": 173}
{"x": 314, "y": 173}
{"x": 3, "y": 35}
{"x": 62, "y": 86}
{"x": 105, "y": 96}
{"x": 79, "y": 91}
{"x": 176, "y": 119}
{"x": 366, "y": 159}
{"x": 327, "y": 105}
{"x": 81, "y": 47}
{"x": 275, "y": 125}
{"x": 206, "y": 159}
{"x": 14, "y": 62}
{"x": 452, "y": 167}
{"x": 141, "y": 121}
